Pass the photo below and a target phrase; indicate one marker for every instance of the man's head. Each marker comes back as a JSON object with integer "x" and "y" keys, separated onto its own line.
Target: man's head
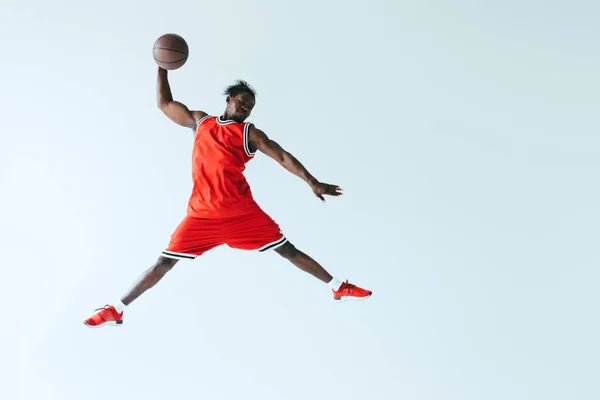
{"x": 240, "y": 101}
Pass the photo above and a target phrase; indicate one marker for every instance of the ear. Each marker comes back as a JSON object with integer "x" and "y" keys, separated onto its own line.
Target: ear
{"x": 228, "y": 99}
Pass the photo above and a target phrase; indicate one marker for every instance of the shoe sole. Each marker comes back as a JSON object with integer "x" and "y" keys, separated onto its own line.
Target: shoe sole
{"x": 342, "y": 299}
{"x": 108, "y": 323}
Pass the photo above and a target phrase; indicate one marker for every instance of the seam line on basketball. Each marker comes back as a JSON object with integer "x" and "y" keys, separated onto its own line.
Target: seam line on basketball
{"x": 167, "y": 48}
{"x": 168, "y": 62}
{"x": 180, "y": 39}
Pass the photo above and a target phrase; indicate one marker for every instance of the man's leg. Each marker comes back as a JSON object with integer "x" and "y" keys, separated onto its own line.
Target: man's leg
{"x": 341, "y": 290}
{"x": 193, "y": 237}
{"x": 149, "y": 278}
{"x": 304, "y": 262}
{"x": 258, "y": 231}
{"x": 113, "y": 314}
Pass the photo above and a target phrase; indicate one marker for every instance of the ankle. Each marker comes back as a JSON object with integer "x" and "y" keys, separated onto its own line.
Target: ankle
{"x": 334, "y": 284}
{"x": 120, "y": 306}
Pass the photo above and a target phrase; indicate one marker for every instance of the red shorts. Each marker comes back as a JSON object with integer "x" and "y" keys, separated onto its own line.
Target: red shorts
{"x": 252, "y": 231}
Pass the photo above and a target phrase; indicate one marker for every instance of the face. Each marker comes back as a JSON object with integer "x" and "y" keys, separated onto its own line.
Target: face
{"x": 239, "y": 106}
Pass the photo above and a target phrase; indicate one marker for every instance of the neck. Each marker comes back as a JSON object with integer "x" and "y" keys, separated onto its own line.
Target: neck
{"x": 227, "y": 117}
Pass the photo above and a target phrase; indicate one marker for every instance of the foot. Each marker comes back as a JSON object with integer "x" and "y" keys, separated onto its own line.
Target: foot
{"x": 107, "y": 315}
{"x": 349, "y": 291}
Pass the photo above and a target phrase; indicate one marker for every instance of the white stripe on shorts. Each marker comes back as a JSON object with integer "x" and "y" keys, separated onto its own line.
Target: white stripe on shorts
{"x": 178, "y": 256}
{"x": 276, "y": 244}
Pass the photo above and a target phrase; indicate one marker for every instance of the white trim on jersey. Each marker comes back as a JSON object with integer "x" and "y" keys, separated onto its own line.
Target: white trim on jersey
{"x": 246, "y": 143}
{"x": 201, "y": 120}
{"x": 225, "y": 122}
{"x": 274, "y": 245}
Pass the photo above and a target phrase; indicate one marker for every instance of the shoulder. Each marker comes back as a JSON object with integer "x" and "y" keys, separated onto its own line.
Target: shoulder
{"x": 198, "y": 115}
{"x": 254, "y": 134}
{"x": 200, "y": 120}
{"x": 205, "y": 117}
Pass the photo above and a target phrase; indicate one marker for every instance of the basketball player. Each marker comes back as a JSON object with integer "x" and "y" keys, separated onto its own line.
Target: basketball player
{"x": 221, "y": 209}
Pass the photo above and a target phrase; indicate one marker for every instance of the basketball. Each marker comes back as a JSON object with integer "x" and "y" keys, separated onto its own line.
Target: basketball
{"x": 170, "y": 51}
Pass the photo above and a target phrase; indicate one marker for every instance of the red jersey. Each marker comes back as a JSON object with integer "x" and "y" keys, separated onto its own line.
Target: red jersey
{"x": 219, "y": 158}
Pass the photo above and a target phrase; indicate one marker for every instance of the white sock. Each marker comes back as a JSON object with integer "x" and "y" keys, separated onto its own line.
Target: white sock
{"x": 119, "y": 306}
{"x": 335, "y": 284}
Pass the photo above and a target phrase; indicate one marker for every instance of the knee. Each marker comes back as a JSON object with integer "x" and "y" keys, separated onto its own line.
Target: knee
{"x": 165, "y": 264}
{"x": 288, "y": 251}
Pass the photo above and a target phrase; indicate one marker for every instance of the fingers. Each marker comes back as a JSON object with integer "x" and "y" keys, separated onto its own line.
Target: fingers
{"x": 333, "y": 190}
{"x": 327, "y": 190}
{"x": 332, "y": 186}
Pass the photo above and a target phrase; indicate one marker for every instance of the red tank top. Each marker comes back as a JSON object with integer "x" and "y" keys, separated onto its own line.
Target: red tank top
{"x": 219, "y": 158}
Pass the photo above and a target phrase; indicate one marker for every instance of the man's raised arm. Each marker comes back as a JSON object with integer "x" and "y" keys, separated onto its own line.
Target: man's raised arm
{"x": 176, "y": 111}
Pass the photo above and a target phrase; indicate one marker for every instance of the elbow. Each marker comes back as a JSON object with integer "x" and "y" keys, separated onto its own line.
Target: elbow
{"x": 284, "y": 158}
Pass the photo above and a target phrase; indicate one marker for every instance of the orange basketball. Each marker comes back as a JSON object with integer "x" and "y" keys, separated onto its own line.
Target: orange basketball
{"x": 170, "y": 51}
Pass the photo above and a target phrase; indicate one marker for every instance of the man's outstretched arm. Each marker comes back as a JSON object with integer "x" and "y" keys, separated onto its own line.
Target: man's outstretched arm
{"x": 176, "y": 111}
{"x": 259, "y": 140}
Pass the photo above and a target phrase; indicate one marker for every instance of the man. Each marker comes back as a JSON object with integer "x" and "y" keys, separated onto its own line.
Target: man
{"x": 221, "y": 209}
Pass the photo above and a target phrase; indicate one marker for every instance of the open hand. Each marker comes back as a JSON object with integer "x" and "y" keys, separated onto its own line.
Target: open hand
{"x": 320, "y": 189}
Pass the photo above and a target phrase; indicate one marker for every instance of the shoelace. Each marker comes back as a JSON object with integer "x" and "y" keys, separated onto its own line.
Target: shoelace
{"x": 106, "y": 307}
{"x": 349, "y": 287}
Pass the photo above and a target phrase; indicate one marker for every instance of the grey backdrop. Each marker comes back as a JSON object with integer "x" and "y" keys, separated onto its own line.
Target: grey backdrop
{"x": 464, "y": 133}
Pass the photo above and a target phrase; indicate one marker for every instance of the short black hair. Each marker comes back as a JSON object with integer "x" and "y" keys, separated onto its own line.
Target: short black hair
{"x": 238, "y": 87}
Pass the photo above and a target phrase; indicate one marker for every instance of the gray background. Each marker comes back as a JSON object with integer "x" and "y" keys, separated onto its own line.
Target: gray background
{"x": 464, "y": 133}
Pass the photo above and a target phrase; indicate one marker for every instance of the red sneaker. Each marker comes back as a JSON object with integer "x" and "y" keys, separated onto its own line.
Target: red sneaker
{"x": 349, "y": 291}
{"x": 107, "y": 315}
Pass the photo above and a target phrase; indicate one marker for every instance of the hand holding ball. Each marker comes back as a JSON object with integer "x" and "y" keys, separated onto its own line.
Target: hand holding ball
{"x": 170, "y": 51}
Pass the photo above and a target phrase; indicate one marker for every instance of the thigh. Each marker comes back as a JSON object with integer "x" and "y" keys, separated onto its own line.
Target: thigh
{"x": 253, "y": 231}
{"x": 193, "y": 237}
